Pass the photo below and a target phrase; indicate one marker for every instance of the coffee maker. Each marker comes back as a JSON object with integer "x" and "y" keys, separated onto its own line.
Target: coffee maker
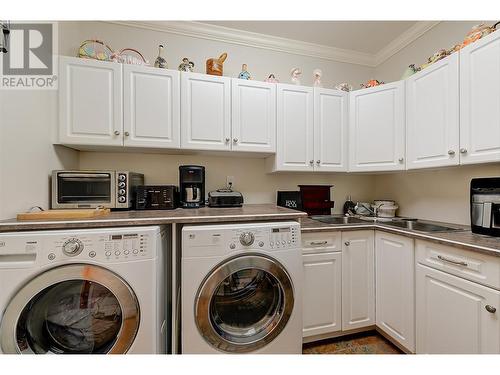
{"x": 192, "y": 186}
{"x": 485, "y": 206}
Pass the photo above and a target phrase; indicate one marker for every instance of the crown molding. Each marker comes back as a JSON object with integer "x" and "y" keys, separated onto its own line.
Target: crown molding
{"x": 250, "y": 39}
{"x": 409, "y": 36}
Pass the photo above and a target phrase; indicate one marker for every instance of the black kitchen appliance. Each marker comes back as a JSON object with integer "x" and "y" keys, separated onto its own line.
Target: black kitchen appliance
{"x": 289, "y": 199}
{"x": 225, "y": 198}
{"x": 156, "y": 197}
{"x": 485, "y": 206}
{"x": 192, "y": 186}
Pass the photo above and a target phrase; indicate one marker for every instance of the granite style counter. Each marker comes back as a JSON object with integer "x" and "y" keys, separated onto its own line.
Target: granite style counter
{"x": 463, "y": 238}
{"x": 249, "y": 212}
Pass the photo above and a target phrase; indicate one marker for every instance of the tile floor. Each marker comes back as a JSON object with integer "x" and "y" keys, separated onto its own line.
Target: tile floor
{"x": 361, "y": 343}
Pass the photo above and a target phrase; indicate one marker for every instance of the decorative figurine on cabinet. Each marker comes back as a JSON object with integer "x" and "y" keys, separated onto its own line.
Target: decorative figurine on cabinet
{"x": 344, "y": 87}
{"x": 371, "y": 83}
{"x": 244, "y": 72}
{"x": 160, "y": 61}
{"x": 215, "y": 65}
{"x": 411, "y": 70}
{"x": 317, "y": 73}
{"x": 271, "y": 79}
{"x": 295, "y": 74}
{"x": 186, "y": 65}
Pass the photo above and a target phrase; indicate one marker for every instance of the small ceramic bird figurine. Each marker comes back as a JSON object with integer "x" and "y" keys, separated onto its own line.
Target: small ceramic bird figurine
{"x": 295, "y": 73}
{"x": 160, "y": 61}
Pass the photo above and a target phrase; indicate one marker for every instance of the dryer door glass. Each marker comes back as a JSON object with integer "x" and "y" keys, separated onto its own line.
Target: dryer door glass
{"x": 71, "y": 309}
{"x": 244, "y": 303}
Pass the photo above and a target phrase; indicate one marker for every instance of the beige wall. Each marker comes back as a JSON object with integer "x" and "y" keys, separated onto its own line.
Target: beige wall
{"x": 26, "y": 152}
{"x": 260, "y": 62}
{"x": 251, "y": 180}
{"x": 431, "y": 194}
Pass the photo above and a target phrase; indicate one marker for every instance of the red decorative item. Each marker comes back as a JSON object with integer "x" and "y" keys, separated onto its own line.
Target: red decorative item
{"x": 316, "y": 199}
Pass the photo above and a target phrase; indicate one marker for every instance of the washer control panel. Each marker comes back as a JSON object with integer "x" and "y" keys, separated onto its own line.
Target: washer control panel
{"x": 275, "y": 237}
{"x": 102, "y": 247}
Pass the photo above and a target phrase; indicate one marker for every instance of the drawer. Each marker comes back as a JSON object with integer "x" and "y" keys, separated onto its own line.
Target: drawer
{"x": 321, "y": 242}
{"x": 474, "y": 266}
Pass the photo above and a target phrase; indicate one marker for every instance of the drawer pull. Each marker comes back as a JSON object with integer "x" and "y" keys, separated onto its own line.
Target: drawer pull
{"x": 490, "y": 309}
{"x": 318, "y": 243}
{"x": 347, "y": 243}
{"x": 440, "y": 257}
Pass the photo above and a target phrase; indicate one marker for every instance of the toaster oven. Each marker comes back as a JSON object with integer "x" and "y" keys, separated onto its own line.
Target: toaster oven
{"x": 91, "y": 189}
{"x": 485, "y": 206}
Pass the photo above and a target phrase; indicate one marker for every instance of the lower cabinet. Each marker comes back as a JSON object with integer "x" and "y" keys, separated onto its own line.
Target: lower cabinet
{"x": 322, "y": 293}
{"x": 358, "y": 279}
{"x": 454, "y": 315}
{"x": 395, "y": 287}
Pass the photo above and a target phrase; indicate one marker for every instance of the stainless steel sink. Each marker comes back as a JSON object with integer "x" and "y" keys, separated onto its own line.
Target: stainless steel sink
{"x": 332, "y": 219}
{"x": 421, "y": 226}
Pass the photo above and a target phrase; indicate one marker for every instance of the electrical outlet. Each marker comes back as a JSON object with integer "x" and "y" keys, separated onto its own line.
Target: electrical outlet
{"x": 230, "y": 181}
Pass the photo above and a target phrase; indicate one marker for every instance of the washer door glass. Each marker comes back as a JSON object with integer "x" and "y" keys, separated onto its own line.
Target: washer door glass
{"x": 71, "y": 309}
{"x": 75, "y": 316}
{"x": 244, "y": 304}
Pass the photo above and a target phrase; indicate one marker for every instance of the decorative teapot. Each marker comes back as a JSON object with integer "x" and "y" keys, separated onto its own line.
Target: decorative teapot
{"x": 215, "y": 65}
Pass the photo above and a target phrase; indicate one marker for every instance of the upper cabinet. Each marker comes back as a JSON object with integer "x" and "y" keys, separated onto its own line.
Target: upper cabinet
{"x": 432, "y": 115}
{"x": 253, "y": 116}
{"x": 90, "y": 102}
{"x": 295, "y": 115}
{"x": 330, "y": 130}
{"x": 151, "y": 107}
{"x": 377, "y": 128}
{"x": 205, "y": 112}
{"x": 480, "y": 101}
{"x": 311, "y": 129}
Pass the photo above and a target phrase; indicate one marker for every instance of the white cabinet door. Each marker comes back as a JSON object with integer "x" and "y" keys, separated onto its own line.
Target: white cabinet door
{"x": 453, "y": 316}
{"x": 358, "y": 279}
{"x": 152, "y": 107}
{"x": 395, "y": 287}
{"x": 330, "y": 130}
{"x": 432, "y": 112}
{"x": 294, "y": 139}
{"x": 322, "y": 292}
{"x": 205, "y": 112}
{"x": 253, "y": 116}
{"x": 90, "y": 102}
{"x": 377, "y": 128}
{"x": 480, "y": 101}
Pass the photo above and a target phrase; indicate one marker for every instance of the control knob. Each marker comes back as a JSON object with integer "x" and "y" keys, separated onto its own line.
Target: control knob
{"x": 72, "y": 247}
{"x": 121, "y": 184}
{"x": 122, "y": 199}
{"x": 122, "y": 177}
{"x": 247, "y": 238}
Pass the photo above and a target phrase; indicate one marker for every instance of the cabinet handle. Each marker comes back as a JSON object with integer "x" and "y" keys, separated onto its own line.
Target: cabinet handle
{"x": 117, "y": 132}
{"x": 227, "y": 140}
{"x": 318, "y": 162}
{"x": 235, "y": 140}
{"x": 401, "y": 160}
{"x": 463, "y": 150}
{"x": 347, "y": 243}
{"x": 490, "y": 309}
{"x": 452, "y": 261}
{"x": 451, "y": 152}
{"x": 311, "y": 162}
{"x": 317, "y": 243}
{"x": 127, "y": 134}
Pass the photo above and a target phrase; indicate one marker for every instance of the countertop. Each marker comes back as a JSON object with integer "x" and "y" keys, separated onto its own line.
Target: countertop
{"x": 464, "y": 238}
{"x": 249, "y": 212}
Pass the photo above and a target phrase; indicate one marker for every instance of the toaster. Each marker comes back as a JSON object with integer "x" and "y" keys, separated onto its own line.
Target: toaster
{"x": 156, "y": 197}
{"x": 225, "y": 198}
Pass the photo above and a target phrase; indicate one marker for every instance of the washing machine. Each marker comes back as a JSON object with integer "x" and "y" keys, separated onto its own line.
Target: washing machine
{"x": 84, "y": 291}
{"x": 241, "y": 288}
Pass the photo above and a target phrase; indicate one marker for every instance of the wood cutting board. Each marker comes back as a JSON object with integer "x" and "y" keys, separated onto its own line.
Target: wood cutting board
{"x": 84, "y": 213}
